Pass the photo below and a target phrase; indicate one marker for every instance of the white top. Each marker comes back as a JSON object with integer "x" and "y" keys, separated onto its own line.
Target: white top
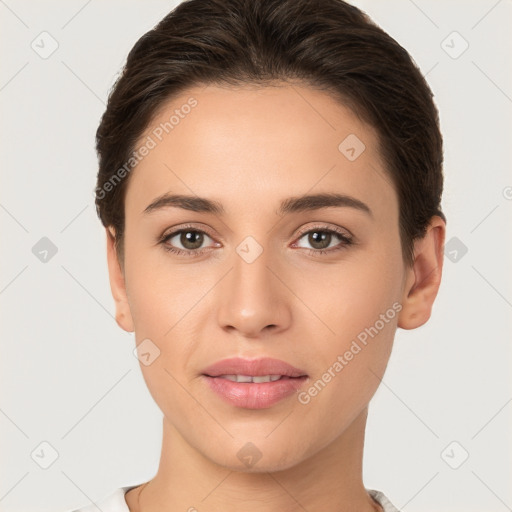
{"x": 115, "y": 502}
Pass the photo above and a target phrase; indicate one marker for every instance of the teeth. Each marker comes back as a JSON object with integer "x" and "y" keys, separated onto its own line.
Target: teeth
{"x": 266, "y": 378}
{"x": 248, "y": 378}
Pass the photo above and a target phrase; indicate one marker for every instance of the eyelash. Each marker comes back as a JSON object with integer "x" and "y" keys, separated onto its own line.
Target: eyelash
{"x": 345, "y": 241}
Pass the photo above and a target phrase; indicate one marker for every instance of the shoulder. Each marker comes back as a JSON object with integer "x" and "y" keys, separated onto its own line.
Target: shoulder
{"x": 112, "y": 502}
{"x": 382, "y": 500}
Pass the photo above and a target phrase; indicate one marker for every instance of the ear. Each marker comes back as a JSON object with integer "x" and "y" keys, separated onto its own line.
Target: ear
{"x": 117, "y": 285}
{"x": 424, "y": 277}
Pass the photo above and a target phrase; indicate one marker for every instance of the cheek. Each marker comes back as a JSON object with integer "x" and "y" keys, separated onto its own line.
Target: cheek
{"x": 351, "y": 363}
{"x": 360, "y": 307}
{"x": 159, "y": 295}
{"x": 352, "y": 295}
{"x": 165, "y": 304}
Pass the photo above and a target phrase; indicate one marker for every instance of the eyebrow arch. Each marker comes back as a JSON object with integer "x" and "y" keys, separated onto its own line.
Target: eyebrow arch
{"x": 289, "y": 205}
{"x": 318, "y": 201}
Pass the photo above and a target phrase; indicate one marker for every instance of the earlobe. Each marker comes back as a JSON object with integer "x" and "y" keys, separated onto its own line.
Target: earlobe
{"x": 117, "y": 285}
{"x": 424, "y": 277}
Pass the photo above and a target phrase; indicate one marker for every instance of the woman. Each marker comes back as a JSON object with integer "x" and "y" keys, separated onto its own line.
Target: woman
{"x": 270, "y": 180}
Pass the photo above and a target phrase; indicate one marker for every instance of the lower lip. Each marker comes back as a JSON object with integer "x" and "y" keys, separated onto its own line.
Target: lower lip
{"x": 251, "y": 395}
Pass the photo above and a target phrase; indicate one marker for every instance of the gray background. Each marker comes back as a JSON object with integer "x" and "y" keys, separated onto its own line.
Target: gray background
{"x": 68, "y": 374}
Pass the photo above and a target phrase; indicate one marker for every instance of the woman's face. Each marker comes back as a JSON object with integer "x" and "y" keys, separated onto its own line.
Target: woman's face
{"x": 263, "y": 275}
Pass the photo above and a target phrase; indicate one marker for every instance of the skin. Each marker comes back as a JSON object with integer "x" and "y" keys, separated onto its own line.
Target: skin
{"x": 249, "y": 149}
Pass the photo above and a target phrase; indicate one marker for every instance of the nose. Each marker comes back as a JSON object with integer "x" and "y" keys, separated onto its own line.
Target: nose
{"x": 254, "y": 301}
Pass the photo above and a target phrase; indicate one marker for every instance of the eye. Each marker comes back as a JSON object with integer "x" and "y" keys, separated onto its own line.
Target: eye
{"x": 191, "y": 241}
{"x": 322, "y": 238}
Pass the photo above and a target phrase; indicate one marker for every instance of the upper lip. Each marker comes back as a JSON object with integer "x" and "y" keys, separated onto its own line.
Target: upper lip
{"x": 252, "y": 367}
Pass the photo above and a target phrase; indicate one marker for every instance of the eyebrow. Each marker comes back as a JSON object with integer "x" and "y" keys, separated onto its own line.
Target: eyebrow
{"x": 290, "y": 205}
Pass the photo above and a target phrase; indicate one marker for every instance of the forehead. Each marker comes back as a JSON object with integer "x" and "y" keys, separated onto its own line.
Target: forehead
{"x": 249, "y": 146}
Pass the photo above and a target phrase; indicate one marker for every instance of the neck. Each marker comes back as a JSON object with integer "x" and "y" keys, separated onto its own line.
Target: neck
{"x": 329, "y": 480}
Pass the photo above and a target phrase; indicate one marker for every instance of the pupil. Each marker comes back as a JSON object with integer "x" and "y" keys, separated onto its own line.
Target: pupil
{"x": 317, "y": 239}
{"x": 191, "y": 239}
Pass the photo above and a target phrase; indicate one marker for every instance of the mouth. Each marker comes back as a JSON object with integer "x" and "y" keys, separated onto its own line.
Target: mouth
{"x": 254, "y": 384}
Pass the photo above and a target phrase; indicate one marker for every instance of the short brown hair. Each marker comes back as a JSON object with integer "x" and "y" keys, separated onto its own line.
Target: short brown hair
{"x": 326, "y": 44}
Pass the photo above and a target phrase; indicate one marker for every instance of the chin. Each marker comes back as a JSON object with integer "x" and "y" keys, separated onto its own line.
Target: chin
{"x": 258, "y": 457}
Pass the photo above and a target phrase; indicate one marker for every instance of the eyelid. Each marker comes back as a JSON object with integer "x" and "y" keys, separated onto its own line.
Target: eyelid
{"x": 191, "y": 227}
{"x": 324, "y": 227}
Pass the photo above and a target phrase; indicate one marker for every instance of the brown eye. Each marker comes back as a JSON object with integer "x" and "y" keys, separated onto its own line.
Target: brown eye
{"x": 323, "y": 240}
{"x": 319, "y": 239}
{"x": 185, "y": 242}
{"x": 191, "y": 239}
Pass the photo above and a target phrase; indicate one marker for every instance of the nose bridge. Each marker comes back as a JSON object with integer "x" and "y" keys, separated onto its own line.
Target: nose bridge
{"x": 252, "y": 297}
{"x": 250, "y": 272}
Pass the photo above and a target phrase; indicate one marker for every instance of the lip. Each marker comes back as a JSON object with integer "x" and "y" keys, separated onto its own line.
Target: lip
{"x": 252, "y": 395}
{"x": 253, "y": 367}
